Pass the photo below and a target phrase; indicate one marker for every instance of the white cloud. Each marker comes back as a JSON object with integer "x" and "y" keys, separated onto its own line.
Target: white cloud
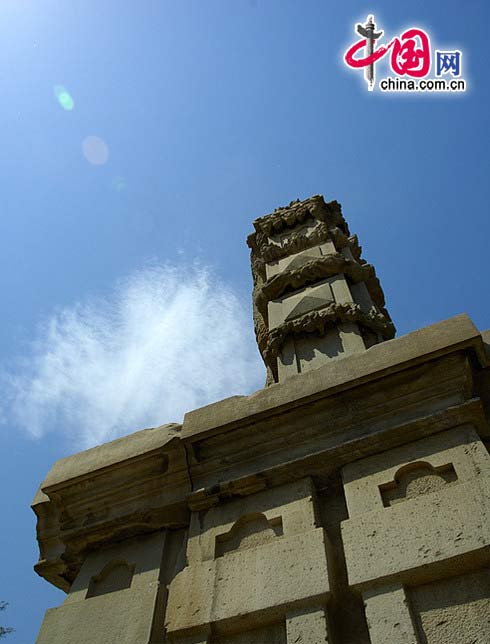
{"x": 168, "y": 340}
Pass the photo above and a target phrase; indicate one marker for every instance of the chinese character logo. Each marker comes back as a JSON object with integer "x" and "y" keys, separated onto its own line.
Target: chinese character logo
{"x": 409, "y": 58}
{"x": 448, "y": 62}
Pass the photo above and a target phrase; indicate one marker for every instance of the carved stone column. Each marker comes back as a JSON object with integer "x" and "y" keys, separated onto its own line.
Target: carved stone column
{"x": 315, "y": 299}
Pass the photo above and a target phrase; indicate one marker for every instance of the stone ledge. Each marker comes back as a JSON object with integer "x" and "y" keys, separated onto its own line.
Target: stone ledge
{"x": 320, "y": 457}
{"x": 388, "y": 357}
{"x": 134, "y": 485}
{"x": 107, "y": 455}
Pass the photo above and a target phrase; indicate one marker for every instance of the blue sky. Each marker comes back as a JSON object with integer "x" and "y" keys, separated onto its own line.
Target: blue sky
{"x": 210, "y": 113}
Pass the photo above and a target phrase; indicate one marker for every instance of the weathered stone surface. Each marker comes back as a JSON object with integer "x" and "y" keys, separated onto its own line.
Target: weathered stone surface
{"x": 454, "y": 610}
{"x": 403, "y": 540}
{"x": 459, "y": 449}
{"x": 85, "y": 501}
{"x": 447, "y": 522}
{"x": 386, "y": 358}
{"x": 114, "y": 612}
{"x": 110, "y": 454}
{"x": 272, "y": 578}
{"x": 261, "y": 554}
{"x": 389, "y": 616}
{"x": 273, "y": 634}
{"x": 308, "y": 627}
{"x": 293, "y": 249}
{"x": 348, "y": 502}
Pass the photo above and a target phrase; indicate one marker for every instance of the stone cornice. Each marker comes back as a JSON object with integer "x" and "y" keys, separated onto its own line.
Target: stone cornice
{"x": 294, "y": 243}
{"x": 455, "y": 334}
{"x": 151, "y": 480}
{"x": 110, "y": 454}
{"x": 265, "y": 251}
{"x": 130, "y": 486}
{"x": 325, "y": 447}
{"x": 205, "y": 498}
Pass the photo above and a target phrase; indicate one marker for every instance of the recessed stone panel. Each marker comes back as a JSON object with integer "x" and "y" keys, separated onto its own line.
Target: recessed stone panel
{"x": 300, "y": 302}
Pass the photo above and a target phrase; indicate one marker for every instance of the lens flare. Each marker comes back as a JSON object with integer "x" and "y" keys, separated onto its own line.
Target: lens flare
{"x": 95, "y": 150}
{"x": 64, "y": 98}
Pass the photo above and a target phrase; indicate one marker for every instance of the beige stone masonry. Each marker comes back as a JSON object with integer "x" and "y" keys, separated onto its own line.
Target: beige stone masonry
{"x": 389, "y": 616}
{"x": 347, "y": 502}
{"x": 251, "y": 559}
{"x": 85, "y": 501}
{"x": 305, "y": 264}
{"x": 449, "y": 523}
{"x": 103, "y": 607}
{"x": 453, "y": 610}
{"x": 307, "y": 627}
{"x": 385, "y": 358}
{"x": 338, "y": 429}
{"x": 460, "y": 448}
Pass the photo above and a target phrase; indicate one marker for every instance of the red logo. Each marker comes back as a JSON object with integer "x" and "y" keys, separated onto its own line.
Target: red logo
{"x": 409, "y": 52}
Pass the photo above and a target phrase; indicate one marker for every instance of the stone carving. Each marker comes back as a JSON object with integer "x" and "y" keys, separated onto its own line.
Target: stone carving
{"x": 279, "y": 516}
{"x": 248, "y": 532}
{"x": 321, "y": 321}
{"x": 305, "y": 305}
{"x": 100, "y": 508}
{"x": 314, "y": 270}
{"x": 415, "y": 479}
{"x": 317, "y": 238}
{"x": 116, "y": 575}
{"x": 324, "y": 217}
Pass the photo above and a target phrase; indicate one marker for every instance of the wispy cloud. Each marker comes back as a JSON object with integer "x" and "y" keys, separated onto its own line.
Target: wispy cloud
{"x": 169, "y": 339}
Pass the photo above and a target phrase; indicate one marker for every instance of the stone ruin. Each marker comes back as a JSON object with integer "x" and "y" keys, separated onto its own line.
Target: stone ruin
{"x": 346, "y": 502}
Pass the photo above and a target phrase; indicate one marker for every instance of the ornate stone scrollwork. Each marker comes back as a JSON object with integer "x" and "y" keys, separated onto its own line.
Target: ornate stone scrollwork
{"x": 316, "y": 237}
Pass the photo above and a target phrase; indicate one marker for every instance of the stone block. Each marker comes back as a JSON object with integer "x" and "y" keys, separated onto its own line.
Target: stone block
{"x": 286, "y": 510}
{"x": 270, "y": 579}
{"x": 389, "y": 617}
{"x": 102, "y": 607}
{"x": 455, "y": 610}
{"x": 460, "y": 449}
{"x": 402, "y": 541}
{"x": 294, "y": 305}
{"x": 307, "y": 627}
{"x": 269, "y": 634}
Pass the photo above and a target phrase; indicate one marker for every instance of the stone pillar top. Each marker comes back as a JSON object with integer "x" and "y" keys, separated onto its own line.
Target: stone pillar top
{"x": 315, "y": 298}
